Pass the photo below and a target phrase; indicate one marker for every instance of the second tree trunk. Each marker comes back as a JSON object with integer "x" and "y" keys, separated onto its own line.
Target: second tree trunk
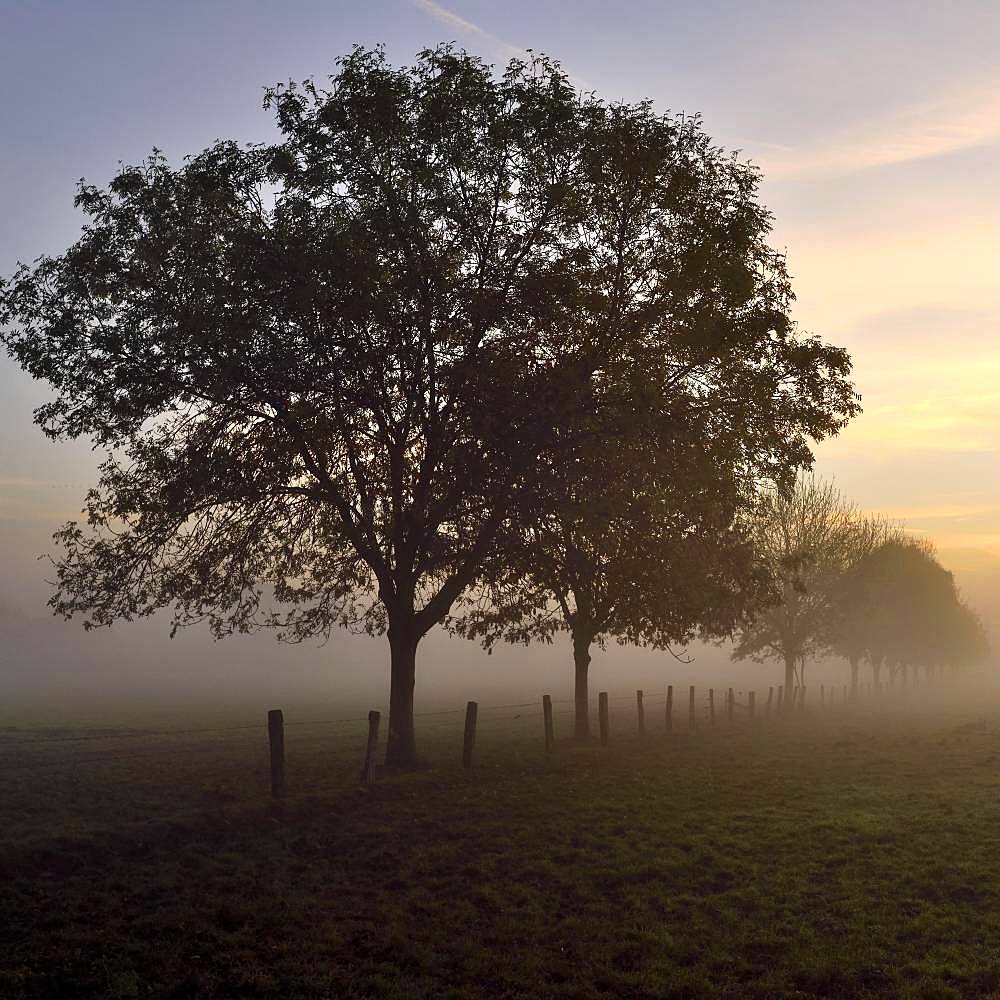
{"x": 581, "y": 660}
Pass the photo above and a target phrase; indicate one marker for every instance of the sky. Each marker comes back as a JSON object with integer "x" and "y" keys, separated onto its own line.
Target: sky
{"x": 876, "y": 124}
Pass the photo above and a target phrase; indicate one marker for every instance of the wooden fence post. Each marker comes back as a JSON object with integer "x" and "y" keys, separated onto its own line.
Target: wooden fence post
{"x": 469, "y": 739}
{"x": 691, "y": 715}
{"x": 781, "y": 693}
{"x": 368, "y": 771}
{"x": 730, "y": 706}
{"x": 276, "y": 738}
{"x": 822, "y": 696}
{"x": 550, "y": 734}
{"x": 602, "y": 714}
{"x": 770, "y": 698}
{"x": 640, "y": 713}
{"x": 670, "y": 708}
{"x": 752, "y": 704}
{"x": 711, "y": 706}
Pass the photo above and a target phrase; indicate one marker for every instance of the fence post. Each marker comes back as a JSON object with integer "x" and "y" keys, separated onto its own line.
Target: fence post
{"x": 670, "y": 708}
{"x": 469, "y": 739}
{"x": 711, "y": 706}
{"x": 770, "y": 698}
{"x": 691, "y": 716}
{"x": 822, "y": 696}
{"x": 781, "y": 693}
{"x": 550, "y": 735}
{"x": 640, "y": 713}
{"x": 602, "y": 713}
{"x": 730, "y": 706}
{"x": 276, "y": 738}
{"x": 368, "y": 771}
{"x": 752, "y": 704}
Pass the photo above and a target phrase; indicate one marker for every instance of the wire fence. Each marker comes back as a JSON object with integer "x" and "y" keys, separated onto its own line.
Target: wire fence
{"x": 49, "y": 752}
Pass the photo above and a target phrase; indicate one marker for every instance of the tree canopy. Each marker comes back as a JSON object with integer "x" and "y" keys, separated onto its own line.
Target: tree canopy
{"x": 639, "y": 541}
{"x": 636, "y": 529}
{"x": 331, "y": 371}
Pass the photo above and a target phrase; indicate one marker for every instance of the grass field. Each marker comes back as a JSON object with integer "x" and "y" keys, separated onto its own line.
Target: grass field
{"x": 830, "y": 854}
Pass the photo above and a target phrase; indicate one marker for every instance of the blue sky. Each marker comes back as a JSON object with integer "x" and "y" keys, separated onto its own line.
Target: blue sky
{"x": 877, "y": 125}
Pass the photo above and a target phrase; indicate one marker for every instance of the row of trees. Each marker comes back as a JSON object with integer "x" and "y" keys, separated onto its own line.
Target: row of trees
{"x": 461, "y": 348}
{"x": 856, "y": 587}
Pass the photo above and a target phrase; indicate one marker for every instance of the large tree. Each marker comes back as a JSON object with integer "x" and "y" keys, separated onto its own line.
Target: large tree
{"x": 641, "y": 545}
{"x": 330, "y": 371}
{"x": 321, "y": 366}
{"x": 704, "y": 391}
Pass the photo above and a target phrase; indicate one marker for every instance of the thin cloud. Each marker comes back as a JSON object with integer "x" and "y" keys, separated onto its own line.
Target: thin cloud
{"x": 466, "y": 27}
{"x": 460, "y": 24}
{"x": 941, "y": 512}
{"x": 955, "y": 423}
{"x": 962, "y": 120}
{"x": 33, "y": 484}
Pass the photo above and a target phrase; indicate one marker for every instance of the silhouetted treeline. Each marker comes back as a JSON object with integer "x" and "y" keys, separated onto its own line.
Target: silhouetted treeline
{"x": 899, "y": 608}
{"x": 460, "y": 347}
{"x": 853, "y": 586}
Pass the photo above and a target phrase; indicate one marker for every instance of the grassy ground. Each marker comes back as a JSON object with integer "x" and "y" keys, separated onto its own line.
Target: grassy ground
{"x": 832, "y": 855}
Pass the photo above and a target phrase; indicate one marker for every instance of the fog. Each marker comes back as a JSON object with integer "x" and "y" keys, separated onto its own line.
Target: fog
{"x": 54, "y": 671}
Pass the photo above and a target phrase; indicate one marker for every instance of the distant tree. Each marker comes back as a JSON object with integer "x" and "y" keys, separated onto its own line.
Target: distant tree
{"x": 849, "y": 625}
{"x": 904, "y": 610}
{"x": 329, "y": 372}
{"x": 810, "y": 537}
{"x": 967, "y": 641}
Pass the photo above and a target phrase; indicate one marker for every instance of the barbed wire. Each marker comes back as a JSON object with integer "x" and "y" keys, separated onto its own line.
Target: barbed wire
{"x": 71, "y": 763}
{"x": 654, "y": 698}
{"x": 6, "y": 740}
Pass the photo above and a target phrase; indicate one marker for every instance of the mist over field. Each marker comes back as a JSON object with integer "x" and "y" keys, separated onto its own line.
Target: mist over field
{"x": 52, "y": 670}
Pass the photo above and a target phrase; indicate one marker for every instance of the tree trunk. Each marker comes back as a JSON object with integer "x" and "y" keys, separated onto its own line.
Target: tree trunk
{"x": 401, "y": 747}
{"x": 581, "y": 658}
{"x": 854, "y": 677}
{"x": 789, "y": 677}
